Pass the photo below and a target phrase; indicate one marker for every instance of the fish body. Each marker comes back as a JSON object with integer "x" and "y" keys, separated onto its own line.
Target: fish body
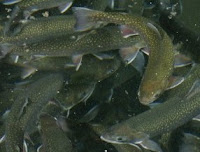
{"x": 155, "y": 79}
{"x": 163, "y": 118}
{"x": 97, "y": 41}
{"x": 24, "y": 109}
{"x": 38, "y": 98}
{"x": 94, "y": 70}
{"x": 40, "y": 29}
{"x": 41, "y": 4}
{"x": 43, "y": 63}
{"x": 26, "y": 8}
{"x": 53, "y": 137}
{"x": 31, "y": 6}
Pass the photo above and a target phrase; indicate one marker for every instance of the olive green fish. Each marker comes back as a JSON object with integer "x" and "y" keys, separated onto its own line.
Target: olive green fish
{"x": 161, "y": 58}
{"x": 74, "y": 94}
{"x": 99, "y": 129}
{"x": 53, "y": 137}
{"x": 38, "y": 30}
{"x": 104, "y": 39}
{"x": 27, "y": 107}
{"x": 94, "y": 70}
{"x": 43, "y": 63}
{"x": 176, "y": 111}
{"x": 27, "y": 7}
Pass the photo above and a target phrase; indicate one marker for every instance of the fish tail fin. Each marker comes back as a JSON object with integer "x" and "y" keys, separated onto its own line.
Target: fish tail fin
{"x": 5, "y": 49}
{"x": 83, "y": 21}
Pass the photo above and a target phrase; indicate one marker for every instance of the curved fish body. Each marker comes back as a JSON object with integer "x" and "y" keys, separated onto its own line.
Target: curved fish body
{"x": 161, "y": 58}
{"x": 53, "y": 137}
{"x": 38, "y": 30}
{"x": 97, "y": 41}
{"x": 27, "y": 107}
{"x": 162, "y": 118}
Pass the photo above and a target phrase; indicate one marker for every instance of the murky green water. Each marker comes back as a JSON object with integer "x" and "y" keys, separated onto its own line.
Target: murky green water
{"x": 71, "y": 71}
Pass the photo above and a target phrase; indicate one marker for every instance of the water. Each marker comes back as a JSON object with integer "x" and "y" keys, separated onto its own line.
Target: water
{"x": 101, "y": 93}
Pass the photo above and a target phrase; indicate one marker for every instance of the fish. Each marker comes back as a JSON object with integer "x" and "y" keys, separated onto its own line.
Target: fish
{"x": 100, "y": 40}
{"x": 94, "y": 70}
{"x": 40, "y": 63}
{"x": 99, "y": 129}
{"x": 40, "y": 29}
{"x": 155, "y": 79}
{"x": 52, "y": 135}
{"x": 73, "y": 94}
{"x": 29, "y": 7}
{"x": 165, "y": 117}
{"x": 24, "y": 109}
{"x": 60, "y": 64}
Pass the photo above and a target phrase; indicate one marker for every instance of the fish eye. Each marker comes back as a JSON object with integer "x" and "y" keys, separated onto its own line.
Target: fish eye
{"x": 119, "y": 138}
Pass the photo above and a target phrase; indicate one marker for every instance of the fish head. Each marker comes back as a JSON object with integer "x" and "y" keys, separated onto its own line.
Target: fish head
{"x": 150, "y": 90}
{"x": 120, "y": 134}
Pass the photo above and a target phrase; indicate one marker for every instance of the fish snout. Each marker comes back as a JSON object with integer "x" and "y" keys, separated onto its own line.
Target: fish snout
{"x": 145, "y": 99}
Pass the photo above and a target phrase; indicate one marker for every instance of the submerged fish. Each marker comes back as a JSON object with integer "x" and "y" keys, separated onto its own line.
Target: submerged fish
{"x": 27, "y": 107}
{"x": 30, "y": 6}
{"x": 165, "y": 117}
{"x": 74, "y": 94}
{"x": 104, "y": 39}
{"x": 38, "y": 30}
{"x": 94, "y": 70}
{"x": 53, "y": 137}
{"x": 155, "y": 79}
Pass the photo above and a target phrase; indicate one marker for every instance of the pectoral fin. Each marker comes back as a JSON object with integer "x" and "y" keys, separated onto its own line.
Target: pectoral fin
{"x": 127, "y": 32}
{"x": 150, "y": 145}
{"x": 174, "y": 81}
{"x": 128, "y": 54}
{"x": 138, "y": 63}
{"x": 182, "y": 60}
{"x": 77, "y": 59}
{"x": 64, "y": 8}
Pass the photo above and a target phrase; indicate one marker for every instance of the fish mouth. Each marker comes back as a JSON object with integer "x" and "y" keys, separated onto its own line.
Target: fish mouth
{"x": 145, "y": 100}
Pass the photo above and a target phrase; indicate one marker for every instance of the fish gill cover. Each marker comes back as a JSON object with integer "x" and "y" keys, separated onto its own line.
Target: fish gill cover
{"x": 99, "y": 75}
